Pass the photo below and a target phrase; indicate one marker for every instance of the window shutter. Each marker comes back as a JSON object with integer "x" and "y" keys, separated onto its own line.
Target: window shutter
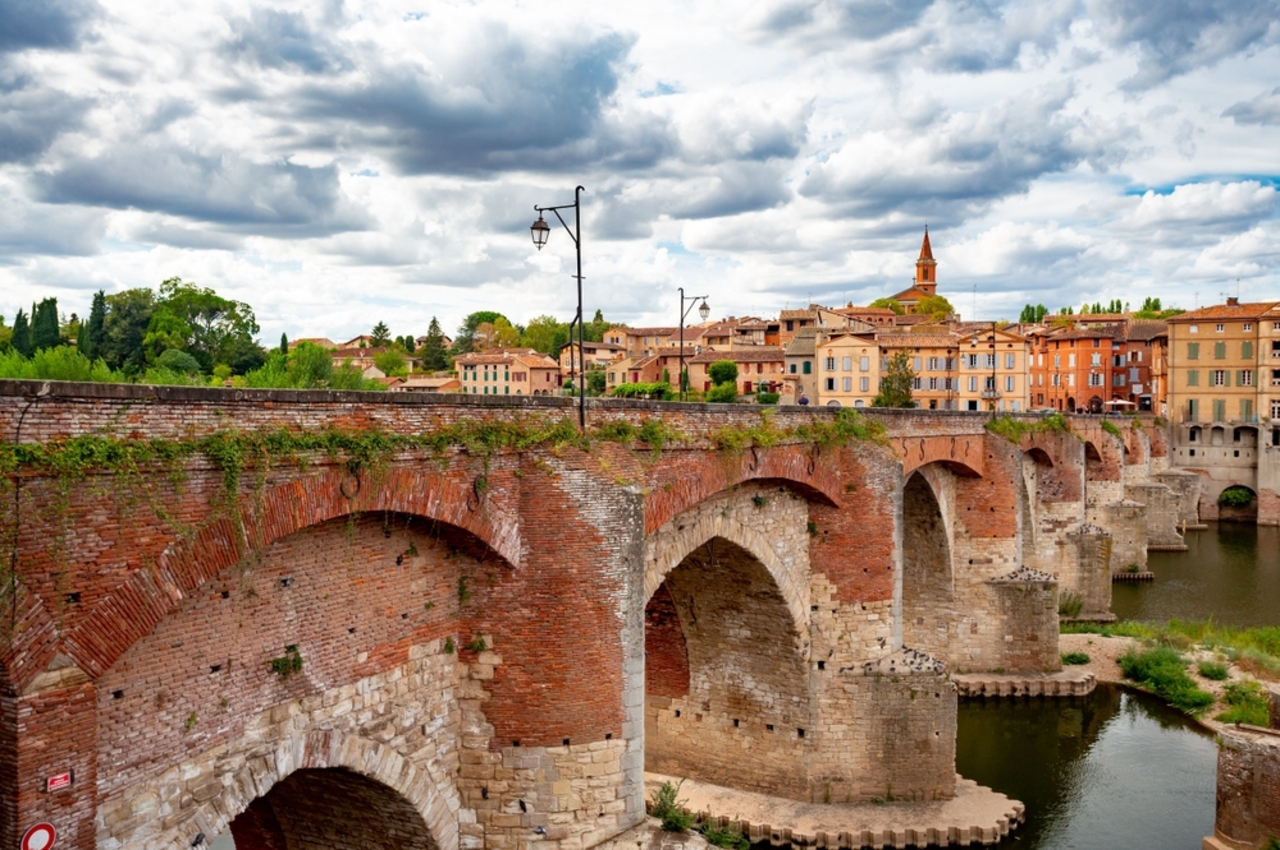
{"x": 1246, "y": 350}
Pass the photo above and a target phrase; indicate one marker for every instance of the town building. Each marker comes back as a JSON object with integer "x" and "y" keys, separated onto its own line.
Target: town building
{"x": 509, "y": 371}
{"x": 1224, "y": 363}
{"x": 633, "y": 341}
{"x": 934, "y": 354}
{"x": 760, "y": 368}
{"x": 993, "y": 373}
{"x": 848, "y": 370}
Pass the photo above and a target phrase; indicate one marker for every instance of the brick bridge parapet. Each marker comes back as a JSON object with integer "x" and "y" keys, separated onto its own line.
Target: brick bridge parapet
{"x": 471, "y": 615}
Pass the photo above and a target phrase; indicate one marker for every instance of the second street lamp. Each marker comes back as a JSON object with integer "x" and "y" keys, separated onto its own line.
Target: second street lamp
{"x": 703, "y": 311}
{"x": 540, "y": 230}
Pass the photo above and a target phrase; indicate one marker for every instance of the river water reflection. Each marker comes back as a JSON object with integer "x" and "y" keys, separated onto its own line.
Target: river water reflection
{"x": 1231, "y": 572}
{"x": 1112, "y": 770}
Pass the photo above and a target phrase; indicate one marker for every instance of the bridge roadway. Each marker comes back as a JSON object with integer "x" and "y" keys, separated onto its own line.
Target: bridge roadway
{"x": 448, "y": 622}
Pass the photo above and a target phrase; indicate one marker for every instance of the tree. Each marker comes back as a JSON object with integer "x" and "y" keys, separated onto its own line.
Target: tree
{"x": 381, "y": 335}
{"x": 218, "y": 326}
{"x": 541, "y": 333}
{"x": 284, "y": 343}
{"x": 44, "y": 325}
{"x": 409, "y": 345}
{"x": 723, "y": 372}
{"x": 91, "y": 331}
{"x": 1032, "y": 314}
{"x": 166, "y": 331}
{"x": 593, "y": 331}
{"x": 434, "y": 357}
{"x": 888, "y": 304}
{"x": 596, "y": 382}
{"x": 128, "y": 315}
{"x": 935, "y": 307}
{"x": 465, "y": 340}
{"x": 895, "y": 384}
{"x": 723, "y": 393}
{"x": 22, "y": 335}
{"x": 504, "y": 335}
{"x": 392, "y": 363}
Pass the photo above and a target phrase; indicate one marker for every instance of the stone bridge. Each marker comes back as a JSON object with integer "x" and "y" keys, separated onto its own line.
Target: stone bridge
{"x": 368, "y": 620}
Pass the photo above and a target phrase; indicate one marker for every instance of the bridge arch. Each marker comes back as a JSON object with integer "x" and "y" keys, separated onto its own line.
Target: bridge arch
{"x": 186, "y": 565}
{"x": 727, "y": 641}
{"x": 928, "y": 572}
{"x": 324, "y": 784}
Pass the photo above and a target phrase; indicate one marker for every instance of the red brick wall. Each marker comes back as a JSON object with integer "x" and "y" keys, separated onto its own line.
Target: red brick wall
{"x": 666, "y": 660}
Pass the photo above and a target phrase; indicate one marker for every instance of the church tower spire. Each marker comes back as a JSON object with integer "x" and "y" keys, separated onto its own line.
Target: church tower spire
{"x": 927, "y": 267}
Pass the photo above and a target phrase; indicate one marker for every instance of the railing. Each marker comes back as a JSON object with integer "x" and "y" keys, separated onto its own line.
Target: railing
{"x": 990, "y": 394}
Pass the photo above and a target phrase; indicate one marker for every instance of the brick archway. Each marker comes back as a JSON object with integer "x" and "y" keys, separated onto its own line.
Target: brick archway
{"x": 135, "y": 606}
{"x": 433, "y": 799}
{"x": 729, "y": 517}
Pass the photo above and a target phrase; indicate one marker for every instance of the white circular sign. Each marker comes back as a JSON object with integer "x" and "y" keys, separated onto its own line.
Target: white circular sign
{"x": 39, "y": 837}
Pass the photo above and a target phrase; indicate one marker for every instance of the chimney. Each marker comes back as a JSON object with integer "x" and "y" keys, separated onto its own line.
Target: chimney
{"x": 1233, "y": 302}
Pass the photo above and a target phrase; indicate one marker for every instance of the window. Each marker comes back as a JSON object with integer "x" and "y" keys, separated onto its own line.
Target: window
{"x": 933, "y": 383}
{"x": 1218, "y": 378}
{"x": 973, "y": 384}
{"x": 1096, "y": 359}
{"x": 1117, "y": 379}
{"x": 1193, "y": 351}
{"x": 1246, "y": 350}
{"x": 915, "y": 364}
{"x": 1219, "y": 328}
{"x": 1219, "y": 410}
{"x": 1055, "y": 380}
{"x": 989, "y": 361}
{"x": 831, "y": 385}
{"x": 1193, "y": 411}
{"x": 804, "y": 367}
{"x": 793, "y": 368}
{"x": 830, "y": 365}
{"x": 1248, "y": 326}
{"x": 951, "y": 363}
{"x": 970, "y": 360}
{"x": 1195, "y": 329}
{"x": 989, "y": 384}
{"x": 1071, "y": 379}
{"x": 846, "y": 364}
{"x": 1133, "y": 376}
{"x": 1057, "y": 361}
{"x": 1008, "y": 383}
{"x": 1275, "y": 377}
{"x": 1219, "y": 351}
{"x": 1071, "y": 360}
{"x": 1193, "y": 377}
{"x": 1095, "y": 379}
{"x": 1117, "y": 360}
{"x": 791, "y": 325}
{"x": 1097, "y": 343}
{"x": 1246, "y": 409}
{"x": 847, "y": 385}
{"x": 1244, "y": 378}
{"x": 917, "y": 383}
{"x": 864, "y": 384}
{"x": 1009, "y": 360}
{"x": 864, "y": 364}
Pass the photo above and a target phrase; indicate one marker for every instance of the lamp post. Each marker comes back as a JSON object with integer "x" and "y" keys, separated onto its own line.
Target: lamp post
{"x": 540, "y": 230}
{"x": 991, "y": 396}
{"x": 703, "y": 311}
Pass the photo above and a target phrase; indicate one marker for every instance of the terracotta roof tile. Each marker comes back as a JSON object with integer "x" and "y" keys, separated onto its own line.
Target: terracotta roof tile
{"x": 1252, "y": 310}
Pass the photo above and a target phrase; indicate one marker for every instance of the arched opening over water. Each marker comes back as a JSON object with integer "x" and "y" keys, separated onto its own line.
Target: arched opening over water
{"x": 331, "y": 808}
{"x": 928, "y": 581}
{"x": 726, "y": 678}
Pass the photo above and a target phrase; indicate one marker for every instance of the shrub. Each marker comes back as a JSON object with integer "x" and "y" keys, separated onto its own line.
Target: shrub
{"x": 670, "y": 810}
{"x": 723, "y": 372}
{"x": 1069, "y": 605}
{"x": 1247, "y": 703}
{"x": 1075, "y": 658}
{"x": 1163, "y": 669}
{"x": 726, "y": 393}
{"x": 718, "y": 836}
{"x": 1215, "y": 670}
{"x": 766, "y": 398}
{"x": 1236, "y": 497}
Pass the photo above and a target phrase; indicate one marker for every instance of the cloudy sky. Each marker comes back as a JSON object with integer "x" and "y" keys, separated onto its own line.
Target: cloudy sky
{"x": 339, "y": 163}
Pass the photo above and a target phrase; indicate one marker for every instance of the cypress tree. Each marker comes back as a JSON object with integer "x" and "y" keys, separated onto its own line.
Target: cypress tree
{"x": 433, "y": 353}
{"x": 44, "y": 325}
{"x": 284, "y": 344}
{"x": 91, "y": 331}
{"x": 21, "y": 335}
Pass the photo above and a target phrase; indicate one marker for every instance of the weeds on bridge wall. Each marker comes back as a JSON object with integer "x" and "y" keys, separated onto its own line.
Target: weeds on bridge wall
{"x": 1014, "y": 430}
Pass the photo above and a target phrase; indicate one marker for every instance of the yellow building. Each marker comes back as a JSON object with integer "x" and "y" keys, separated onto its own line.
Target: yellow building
{"x": 848, "y": 367}
{"x": 515, "y": 371}
{"x": 934, "y": 354}
{"x": 993, "y": 372}
{"x": 1224, "y": 363}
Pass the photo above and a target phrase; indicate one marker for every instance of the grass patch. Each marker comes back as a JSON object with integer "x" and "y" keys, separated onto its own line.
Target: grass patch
{"x": 1014, "y": 430}
{"x": 668, "y": 808}
{"x": 1163, "y": 670}
{"x": 1069, "y": 605}
{"x": 1246, "y": 703}
{"x": 1255, "y": 650}
{"x": 1070, "y": 658}
{"x": 724, "y": 836}
{"x": 1213, "y": 670}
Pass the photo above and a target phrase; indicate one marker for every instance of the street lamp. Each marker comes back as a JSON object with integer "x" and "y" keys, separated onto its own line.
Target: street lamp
{"x": 703, "y": 311}
{"x": 540, "y": 230}
{"x": 973, "y": 343}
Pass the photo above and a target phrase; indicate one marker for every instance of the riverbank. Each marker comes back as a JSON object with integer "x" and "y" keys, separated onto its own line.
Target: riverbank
{"x": 1106, "y": 651}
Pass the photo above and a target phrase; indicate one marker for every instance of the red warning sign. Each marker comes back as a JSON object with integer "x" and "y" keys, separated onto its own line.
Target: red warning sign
{"x": 39, "y": 837}
{"x": 57, "y": 783}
